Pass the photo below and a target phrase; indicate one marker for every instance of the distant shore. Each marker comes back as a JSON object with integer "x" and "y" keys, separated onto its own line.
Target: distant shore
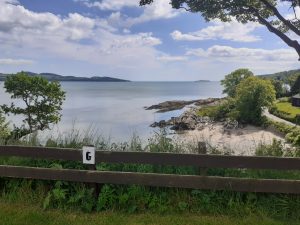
{"x": 56, "y": 77}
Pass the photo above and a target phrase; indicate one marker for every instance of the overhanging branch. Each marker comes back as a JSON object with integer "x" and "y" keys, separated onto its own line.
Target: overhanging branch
{"x": 280, "y": 17}
{"x": 292, "y": 43}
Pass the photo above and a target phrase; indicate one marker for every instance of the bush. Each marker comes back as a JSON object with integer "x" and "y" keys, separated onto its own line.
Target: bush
{"x": 218, "y": 112}
{"x": 292, "y": 133}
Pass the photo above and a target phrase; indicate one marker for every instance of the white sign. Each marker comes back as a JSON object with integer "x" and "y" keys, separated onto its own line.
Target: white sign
{"x": 88, "y": 155}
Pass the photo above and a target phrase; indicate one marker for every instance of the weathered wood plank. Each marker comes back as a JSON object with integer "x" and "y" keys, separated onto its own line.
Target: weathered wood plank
{"x": 207, "y": 161}
{"x": 42, "y": 153}
{"x": 157, "y": 180}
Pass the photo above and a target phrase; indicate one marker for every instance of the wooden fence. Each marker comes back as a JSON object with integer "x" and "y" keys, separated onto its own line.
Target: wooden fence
{"x": 152, "y": 179}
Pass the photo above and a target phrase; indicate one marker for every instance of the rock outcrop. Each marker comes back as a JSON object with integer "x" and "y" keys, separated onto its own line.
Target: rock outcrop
{"x": 176, "y": 105}
{"x": 190, "y": 120}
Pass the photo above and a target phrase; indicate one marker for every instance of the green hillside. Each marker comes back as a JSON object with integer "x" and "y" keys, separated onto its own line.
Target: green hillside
{"x": 56, "y": 77}
{"x": 284, "y": 75}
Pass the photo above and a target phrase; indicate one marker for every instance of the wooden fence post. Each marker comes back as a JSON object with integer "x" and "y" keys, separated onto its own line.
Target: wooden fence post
{"x": 202, "y": 150}
{"x": 89, "y": 156}
{"x": 96, "y": 187}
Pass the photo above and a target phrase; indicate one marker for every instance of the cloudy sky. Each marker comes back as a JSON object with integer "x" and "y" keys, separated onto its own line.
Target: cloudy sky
{"x": 119, "y": 38}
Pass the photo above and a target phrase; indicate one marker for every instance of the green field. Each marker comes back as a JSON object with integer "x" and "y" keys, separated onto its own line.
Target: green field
{"x": 287, "y": 107}
{"x": 17, "y": 214}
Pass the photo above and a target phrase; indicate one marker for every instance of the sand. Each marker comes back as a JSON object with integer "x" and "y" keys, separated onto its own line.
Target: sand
{"x": 242, "y": 141}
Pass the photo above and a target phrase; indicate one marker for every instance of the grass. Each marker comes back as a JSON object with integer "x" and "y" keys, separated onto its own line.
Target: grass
{"x": 209, "y": 111}
{"x": 287, "y": 107}
{"x": 19, "y": 214}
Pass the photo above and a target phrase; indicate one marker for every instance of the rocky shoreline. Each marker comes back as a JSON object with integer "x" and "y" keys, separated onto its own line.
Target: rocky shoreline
{"x": 222, "y": 135}
{"x": 176, "y": 105}
{"x": 190, "y": 120}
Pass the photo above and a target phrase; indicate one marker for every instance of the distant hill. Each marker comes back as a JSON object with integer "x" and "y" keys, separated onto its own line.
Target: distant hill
{"x": 56, "y": 77}
{"x": 281, "y": 75}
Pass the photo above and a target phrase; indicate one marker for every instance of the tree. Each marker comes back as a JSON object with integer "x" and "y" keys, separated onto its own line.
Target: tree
{"x": 42, "y": 100}
{"x": 265, "y": 12}
{"x": 253, "y": 95}
{"x": 295, "y": 89}
{"x": 279, "y": 87}
{"x": 290, "y": 80}
{"x": 232, "y": 80}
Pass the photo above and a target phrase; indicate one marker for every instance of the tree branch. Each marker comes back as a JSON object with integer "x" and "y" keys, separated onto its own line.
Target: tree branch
{"x": 186, "y": 9}
{"x": 292, "y": 43}
{"x": 280, "y": 17}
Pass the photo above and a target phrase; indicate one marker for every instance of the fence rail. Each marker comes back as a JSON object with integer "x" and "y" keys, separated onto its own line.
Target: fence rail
{"x": 151, "y": 179}
{"x": 207, "y": 161}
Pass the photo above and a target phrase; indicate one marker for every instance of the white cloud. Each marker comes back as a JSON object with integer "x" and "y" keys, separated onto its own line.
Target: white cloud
{"x": 229, "y": 53}
{"x": 220, "y": 58}
{"x": 232, "y": 31}
{"x": 15, "y": 18}
{"x": 10, "y": 1}
{"x": 25, "y": 33}
{"x": 169, "y": 58}
{"x": 16, "y": 62}
{"x": 157, "y": 10}
{"x": 113, "y": 5}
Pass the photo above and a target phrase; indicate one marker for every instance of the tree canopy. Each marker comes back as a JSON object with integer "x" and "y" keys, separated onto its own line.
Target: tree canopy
{"x": 280, "y": 89}
{"x": 232, "y": 80}
{"x": 252, "y": 96}
{"x": 295, "y": 89}
{"x": 42, "y": 101}
{"x": 265, "y": 12}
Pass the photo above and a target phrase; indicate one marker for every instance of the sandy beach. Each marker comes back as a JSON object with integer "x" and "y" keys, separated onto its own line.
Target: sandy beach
{"x": 241, "y": 141}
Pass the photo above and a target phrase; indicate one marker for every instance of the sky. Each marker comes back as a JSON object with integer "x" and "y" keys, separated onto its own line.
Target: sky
{"x": 118, "y": 38}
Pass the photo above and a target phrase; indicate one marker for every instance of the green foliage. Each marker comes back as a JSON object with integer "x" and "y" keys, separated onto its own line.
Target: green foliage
{"x": 253, "y": 94}
{"x": 292, "y": 133}
{"x": 279, "y": 88}
{"x": 291, "y": 79}
{"x": 219, "y": 112}
{"x": 295, "y": 88}
{"x": 288, "y": 77}
{"x": 275, "y": 149}
{"x": 42, "y": 99}
{"x": 210, "y": 111}
{"x": 159, "y": 142}
{"x": 70, "y": 196}
{"x": 286, "y": 111}
{"x": 232, "y": 80}
{"x": 4, "y": 130}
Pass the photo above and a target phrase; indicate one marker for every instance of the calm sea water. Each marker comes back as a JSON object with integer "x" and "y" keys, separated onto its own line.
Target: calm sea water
{"x": 116, "y": 110}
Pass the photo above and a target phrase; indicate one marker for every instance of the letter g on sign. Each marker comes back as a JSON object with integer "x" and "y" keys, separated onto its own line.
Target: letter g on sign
{"x": 88, "y": 155}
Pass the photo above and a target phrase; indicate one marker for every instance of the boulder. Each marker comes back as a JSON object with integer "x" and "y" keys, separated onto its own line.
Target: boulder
{"x": 180, "y": 126}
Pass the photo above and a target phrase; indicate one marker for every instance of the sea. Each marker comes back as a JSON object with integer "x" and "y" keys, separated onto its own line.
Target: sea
{"x": 116, "y": 110}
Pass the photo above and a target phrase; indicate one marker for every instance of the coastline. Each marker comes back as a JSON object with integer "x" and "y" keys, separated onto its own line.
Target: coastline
{"x": 224, "y": 136}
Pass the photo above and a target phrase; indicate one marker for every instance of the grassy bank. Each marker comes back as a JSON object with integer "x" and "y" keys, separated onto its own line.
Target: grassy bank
{"x": 284, "y": 109}
{"x": 20, "y": 214}
{"x": 288, "y": 108}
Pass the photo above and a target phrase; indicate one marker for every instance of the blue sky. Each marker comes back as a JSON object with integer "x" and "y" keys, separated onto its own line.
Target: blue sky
{"x": 118, "y": 38}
